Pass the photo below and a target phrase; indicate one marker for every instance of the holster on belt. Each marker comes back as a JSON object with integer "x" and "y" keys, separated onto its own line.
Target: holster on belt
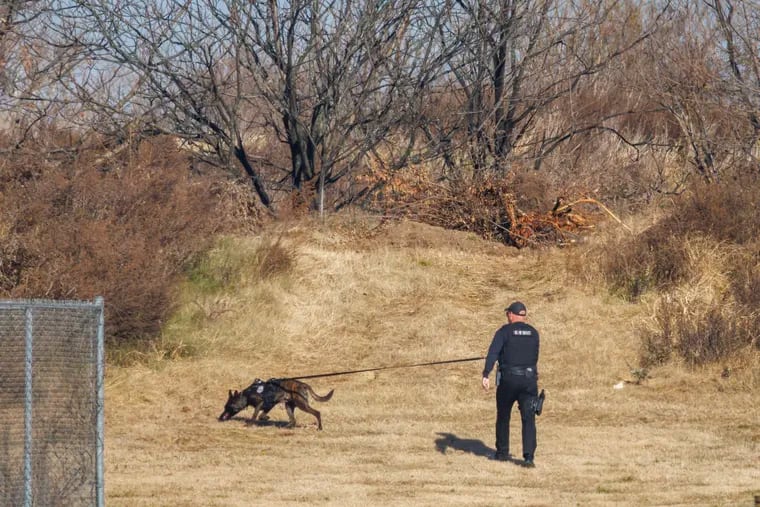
{"x": 538, "y": 403}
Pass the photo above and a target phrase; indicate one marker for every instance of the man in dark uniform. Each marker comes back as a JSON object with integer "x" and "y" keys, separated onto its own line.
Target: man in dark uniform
{"x": 515, "y": 347}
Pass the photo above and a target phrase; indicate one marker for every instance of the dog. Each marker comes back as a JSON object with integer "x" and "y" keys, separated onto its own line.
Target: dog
{"x": 263, "y": 396}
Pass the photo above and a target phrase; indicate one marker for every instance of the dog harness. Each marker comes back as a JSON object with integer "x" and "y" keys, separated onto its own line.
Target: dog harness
{"x": 268, "y": 392}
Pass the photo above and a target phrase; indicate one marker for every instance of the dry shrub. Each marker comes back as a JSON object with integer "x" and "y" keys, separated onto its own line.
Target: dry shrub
{"x": 657, "y": 342}
{"x": 701, "y": 258}
{"x": 745, "y": 279}
{"x": 657, "y": 259}
{"x": 272, "y": 258}
{"x": 711, "y": 337}
{"x": 120, "y": 229}
{"x": 533, "y": 191}
{"x": 728, "y": 211}
{"x": 697, "y": 335}
{"x": 478, "y": 204}
{"x": 216, "y": 269}
{"x": 745, "y": 292}
{"x": 654, "y": 260}
{"x": 227, "y": 264}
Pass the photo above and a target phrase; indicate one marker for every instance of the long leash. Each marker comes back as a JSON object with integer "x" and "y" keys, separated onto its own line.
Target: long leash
{"x": 349, "y": 372}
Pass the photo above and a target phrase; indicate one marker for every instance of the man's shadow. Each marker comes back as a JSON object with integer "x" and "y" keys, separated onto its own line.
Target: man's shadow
{"x": 449, "y": 440}
{"x": 476, "y": 447}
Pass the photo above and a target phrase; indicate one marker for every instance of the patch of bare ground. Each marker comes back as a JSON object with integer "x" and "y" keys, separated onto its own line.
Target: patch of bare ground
{"x": 365, "y": 293}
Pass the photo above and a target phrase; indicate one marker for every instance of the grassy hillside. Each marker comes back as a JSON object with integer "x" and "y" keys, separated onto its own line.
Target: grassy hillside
{"x": 355, "y": 293}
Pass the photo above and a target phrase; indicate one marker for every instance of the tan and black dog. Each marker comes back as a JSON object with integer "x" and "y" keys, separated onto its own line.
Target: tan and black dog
{"x": 264, "y": 395}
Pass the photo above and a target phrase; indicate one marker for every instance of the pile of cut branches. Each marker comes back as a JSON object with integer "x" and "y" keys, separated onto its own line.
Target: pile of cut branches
{"x": 562, "y": 225}
{"x": 486, "y": 206}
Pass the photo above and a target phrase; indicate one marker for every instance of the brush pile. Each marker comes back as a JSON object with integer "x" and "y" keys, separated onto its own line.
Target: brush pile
{"x": 488, "y": 207}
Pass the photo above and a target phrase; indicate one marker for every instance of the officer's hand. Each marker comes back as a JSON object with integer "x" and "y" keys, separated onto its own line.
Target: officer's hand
{"x": 486, "y": 383}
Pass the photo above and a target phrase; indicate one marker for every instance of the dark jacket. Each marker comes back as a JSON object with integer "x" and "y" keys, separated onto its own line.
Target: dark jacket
{"x": 513, "y": 345}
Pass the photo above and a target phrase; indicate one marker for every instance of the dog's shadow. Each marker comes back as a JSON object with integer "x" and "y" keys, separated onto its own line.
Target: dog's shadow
{"x": 261, "y": 423}
{"x": 267, "y": 423}
{"x": 470, "y": 445}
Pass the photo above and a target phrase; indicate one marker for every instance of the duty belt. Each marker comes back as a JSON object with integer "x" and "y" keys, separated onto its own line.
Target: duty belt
{"x": 519, "y": 370}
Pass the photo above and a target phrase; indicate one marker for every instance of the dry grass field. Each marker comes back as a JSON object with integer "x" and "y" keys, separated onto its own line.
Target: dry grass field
{"x": 361, "y": 294}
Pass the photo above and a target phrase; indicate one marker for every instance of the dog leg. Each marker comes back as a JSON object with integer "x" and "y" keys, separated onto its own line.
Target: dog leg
{"x": 290, "y": 407}
{"x": 264, "y": 417}
{"x": 304, "y": 405}
{"x": 258, "y": 410}
{"x": 255, "y": 415}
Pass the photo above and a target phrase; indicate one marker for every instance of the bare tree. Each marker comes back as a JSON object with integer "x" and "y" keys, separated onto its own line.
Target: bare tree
{"x": 14, "y": 14}
{"x": 703, "y": 73}
{"x": 25, "y": 70}
{"x": 148, "y": 68}
{"x": 330, "y": 79}
{"x": 340, "y": 76}
{"x": 738, "y": 23}
{"x": 519, "y": 60}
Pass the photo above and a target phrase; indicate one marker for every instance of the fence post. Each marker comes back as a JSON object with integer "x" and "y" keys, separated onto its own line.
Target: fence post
{"x": 28, "y": 394}
{"x": 100, "y": 404}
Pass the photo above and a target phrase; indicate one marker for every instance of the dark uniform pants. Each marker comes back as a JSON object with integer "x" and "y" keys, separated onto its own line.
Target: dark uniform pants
{"x": 520, "y": 389}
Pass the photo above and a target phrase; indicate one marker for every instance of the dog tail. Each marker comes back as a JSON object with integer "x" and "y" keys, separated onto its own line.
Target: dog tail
{"x": 317, "y": 397}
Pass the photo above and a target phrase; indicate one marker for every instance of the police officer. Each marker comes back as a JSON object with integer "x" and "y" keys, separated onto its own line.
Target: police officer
{"x": 515, "y": 347}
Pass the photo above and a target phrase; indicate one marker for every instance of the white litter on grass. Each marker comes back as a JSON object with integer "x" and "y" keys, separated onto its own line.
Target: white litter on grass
{"x": 619, "y": 385}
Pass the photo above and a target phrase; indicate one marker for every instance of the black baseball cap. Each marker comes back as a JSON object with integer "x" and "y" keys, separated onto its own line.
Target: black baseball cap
{"x": 517, "y": 308}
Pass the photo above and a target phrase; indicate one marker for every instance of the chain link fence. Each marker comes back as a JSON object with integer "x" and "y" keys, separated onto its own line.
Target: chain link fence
{"x": 51, "y": 403}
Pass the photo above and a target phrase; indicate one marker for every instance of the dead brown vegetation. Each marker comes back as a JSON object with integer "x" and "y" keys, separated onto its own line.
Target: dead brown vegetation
{"x": 120, "y": 227}
{"x": 515, "y": 211}
{"x": 700, "y": 260}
